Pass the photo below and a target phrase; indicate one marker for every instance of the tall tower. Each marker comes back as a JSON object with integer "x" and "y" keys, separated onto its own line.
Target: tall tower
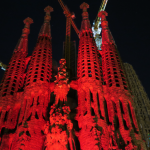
{"x": 121, "y": 116}
{"x": 36, "y": 92}
{"x": 13, "y": 81}
{"x": 141, "y": 101}
{"x": 90, "y": 96}
{"x": 41, "y": 62}
{"x": 13, "y": 77}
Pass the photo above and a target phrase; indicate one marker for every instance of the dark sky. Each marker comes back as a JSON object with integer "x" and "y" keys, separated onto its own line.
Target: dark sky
{"x": 128, "y": 22}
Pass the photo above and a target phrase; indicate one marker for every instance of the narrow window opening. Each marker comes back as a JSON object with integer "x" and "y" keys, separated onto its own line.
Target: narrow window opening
{"x": 134, "y": 128}
{"x": 116, "y": 80}
{"x": 114, "y": 106}
{"x": 110, "y": 84}
{"x": 121, "y": 107}
{"x": 116, "y": 123}
{"x": 99, "y": 111}
{"x": 29, "y": 118}
{"x": 42, "y": 132}
{"x": 35, "y": 76}
{"x": 28, "y": 133}
{"x": 125, "y": 125}
{"x": 91, "y": 96}
{"x": 21, "y": 133}
{"x": 12, "y": 88}
{"x": 6, "y": 115}
{"x": 43, "y": 117}
{"x": 85, "y": 113}
{"x": 117, "y": 85}
{"x": 32, "y": 103}
{"x": 106, "y": 113}
{"x": 34, "y": 80}
{"x": 11, "y": 93}
{"x": 92, "y": 112}
{"x": 36, "y": 115}
{"x": 38, "y": 100}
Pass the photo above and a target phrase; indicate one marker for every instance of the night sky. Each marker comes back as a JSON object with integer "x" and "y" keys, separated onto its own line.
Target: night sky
{"x": 128, "y": 21}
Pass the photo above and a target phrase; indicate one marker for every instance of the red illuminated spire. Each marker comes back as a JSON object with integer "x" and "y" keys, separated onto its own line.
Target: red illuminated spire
{"x": 37, "y": 92}
{"x": 85, "y": 25}
{"x": 13, "y": 78}
{"x": 90, "y": 96}
{"x": 88, "y": 62}
{"x": 121, "y": 116}
{"x": 12, "y": 82}
{"x": 41, "y": 61}
{"x": 45, "y": 30}
{"x": 112, "y": 65}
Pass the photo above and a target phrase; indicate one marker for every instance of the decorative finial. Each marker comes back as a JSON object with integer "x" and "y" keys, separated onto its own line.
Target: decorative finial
{"x": 26, "y": 29}
{"x": 48, "y": 10}
{"x": 28, "y": 20}
{"x": 102, "y": 15}
{"x": 84, "y": 6}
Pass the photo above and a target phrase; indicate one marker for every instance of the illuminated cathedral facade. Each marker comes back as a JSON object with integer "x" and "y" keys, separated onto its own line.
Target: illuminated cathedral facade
{"x": 94, "y": 111}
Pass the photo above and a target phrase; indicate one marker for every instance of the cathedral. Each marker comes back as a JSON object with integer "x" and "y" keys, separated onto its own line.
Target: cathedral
{"x": 93, "y": 111}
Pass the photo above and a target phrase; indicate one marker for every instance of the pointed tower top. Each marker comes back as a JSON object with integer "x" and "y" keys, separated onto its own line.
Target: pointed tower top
{"x": 85, "y": 25}
{"x": 102, "y": 15}
{"x": 107, "y": 36}
{"x": 48, "y": 10}
{"x": 45, "y": 29}
{"x": 28, "y": 20}
{"x": 84, "y": 6}
{"x": 26, "y": 29}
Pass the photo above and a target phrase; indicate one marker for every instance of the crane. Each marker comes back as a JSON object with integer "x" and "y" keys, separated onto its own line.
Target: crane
{"x": 69, "y": 46}
{"x": 69, "y": 15}
{"x": 3, "y": 66}
{"x": 96, "y": 29}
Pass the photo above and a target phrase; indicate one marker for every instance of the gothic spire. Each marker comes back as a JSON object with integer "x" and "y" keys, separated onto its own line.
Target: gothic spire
{"x": 85, "y": 25}
{"x": 107, "y": 36}
{"x": 41, "y": 62}
{"x": 115, "y": 76}
{"x": 22, "y": 44}
{"x": 88, "y": 62}
{"x": 89, "y": 85}
{"x": 37, "y": 82}
{"x": 45, "y": 30}
{"x": 14, "y": 73}
{"x": 13, "y": 81}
